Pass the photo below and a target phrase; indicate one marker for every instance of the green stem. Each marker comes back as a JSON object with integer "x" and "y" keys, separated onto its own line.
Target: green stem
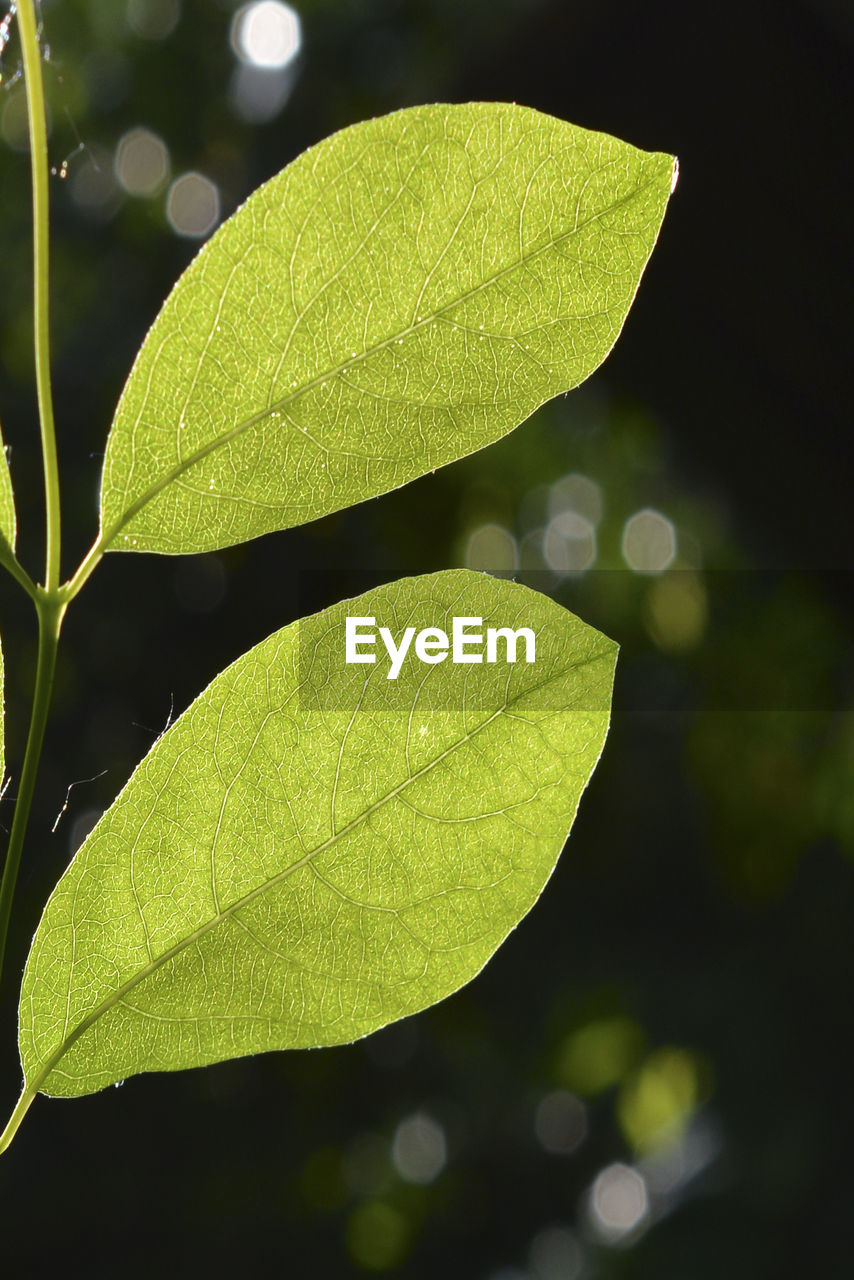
{"x": 41, "y": 282}
{"x": 24, "y": 1103}
{"x": 50, "y": 606}
{"x": 86, "y": 568}
{"x": 10, "y": 562}
{"x": 50, "y": 614}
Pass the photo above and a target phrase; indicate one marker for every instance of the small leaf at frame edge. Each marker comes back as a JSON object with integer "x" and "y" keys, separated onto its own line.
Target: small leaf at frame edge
{"x": 7, "y": 501}
{"x": 7, "y": 533}
{"x": 313, "y": 850}
{"x": 404, "y": 293}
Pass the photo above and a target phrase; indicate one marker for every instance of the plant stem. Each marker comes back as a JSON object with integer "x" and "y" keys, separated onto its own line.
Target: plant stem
{"x": 10, "y": 562}
{"x": 50, "y": 615}
{"x": 24, "y": 1103}
{"x": 50, "y": 607}
{"x": 41, "y": 282}
{"x": 84, "y": 571}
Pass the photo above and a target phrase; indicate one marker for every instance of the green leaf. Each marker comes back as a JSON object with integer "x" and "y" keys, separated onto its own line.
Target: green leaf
{"x": 7, "y": 502}
{"x": 313, "y": 849}
{"x": 403, "y": 294}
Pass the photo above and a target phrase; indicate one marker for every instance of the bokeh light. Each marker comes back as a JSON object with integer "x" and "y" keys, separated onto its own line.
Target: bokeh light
{"x": 578, "y": 493}
{"x": 668, "y": 1169}
{"x": 258, "y": 94}
{"x": 676, "y": 611}
{"x": 93, "y": 185}
{"x": 531, "y": 552}
{"x": 377, "y": 1236}
{"x": 492, "y": 548}
{"x": 656, "y": 1101}
{"x": 192, "y": 206}
{"x": 649, "y": 542}
{"x": 141, "y": 162}
{"x": 556, "y": 1254}
{"x": 560, "y": 1122}
{"x": 600, "y": 1054}
{"x": 419, "y": 1150}
{"x": 153, "y": 19}
{"x": 266, "y": 34}
{"x": 618, "y": 1203}
{"x": 13, "y": 122}
{"x": 569, "y": 543}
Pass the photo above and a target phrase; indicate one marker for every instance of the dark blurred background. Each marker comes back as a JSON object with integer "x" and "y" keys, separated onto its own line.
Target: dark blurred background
{"x": 653, "y": 1076}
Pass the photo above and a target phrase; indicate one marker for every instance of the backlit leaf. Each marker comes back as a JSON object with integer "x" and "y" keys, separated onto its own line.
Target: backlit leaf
{"x": 403, "y": 294}
{"x": 314, "y": 850}
{"x": 7, "y": 503}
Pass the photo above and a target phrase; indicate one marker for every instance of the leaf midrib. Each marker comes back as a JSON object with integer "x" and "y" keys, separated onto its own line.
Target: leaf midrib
{"x": 107, "y": 1004}
{"x": 107, "y": 537}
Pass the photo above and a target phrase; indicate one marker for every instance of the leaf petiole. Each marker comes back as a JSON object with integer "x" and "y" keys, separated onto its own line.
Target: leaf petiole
{"x": 23, "y": 1105}
{"x": 12, "y": 565}
{"x": 84, "y": 571}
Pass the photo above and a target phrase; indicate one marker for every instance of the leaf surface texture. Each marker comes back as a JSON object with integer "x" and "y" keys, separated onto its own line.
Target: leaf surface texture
{"x": 314, "y": 850}
{"x": 406, "y": 292}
